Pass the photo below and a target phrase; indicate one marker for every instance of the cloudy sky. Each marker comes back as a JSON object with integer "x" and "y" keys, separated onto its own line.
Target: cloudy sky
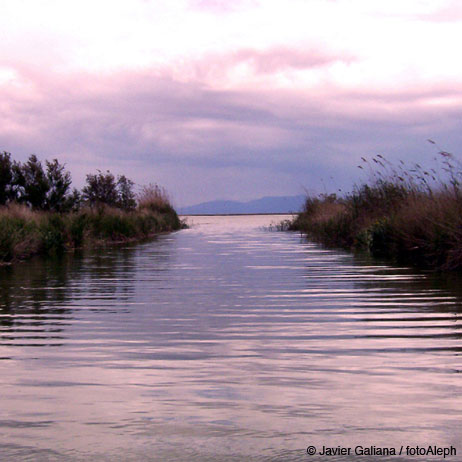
{"x": 231, "y": 99}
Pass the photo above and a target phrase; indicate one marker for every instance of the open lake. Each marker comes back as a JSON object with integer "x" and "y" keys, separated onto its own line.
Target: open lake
{"x": 226, "y": 342}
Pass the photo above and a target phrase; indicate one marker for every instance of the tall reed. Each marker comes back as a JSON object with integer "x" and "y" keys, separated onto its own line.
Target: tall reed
{"x": 24, "y": 232}
{"x": 410, "y": 214}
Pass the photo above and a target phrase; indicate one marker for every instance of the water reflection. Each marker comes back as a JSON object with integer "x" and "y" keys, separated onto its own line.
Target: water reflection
{"x": 225, "y": 342}
{"x": 39, "y": 298}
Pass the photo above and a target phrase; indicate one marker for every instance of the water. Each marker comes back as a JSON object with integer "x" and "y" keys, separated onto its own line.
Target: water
{"x": 226, "y": 342}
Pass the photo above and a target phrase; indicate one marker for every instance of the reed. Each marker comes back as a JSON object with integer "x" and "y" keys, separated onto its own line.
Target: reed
{"x": 25, "y": 232}
{"x": 40, "y": 215}
{"x": 409, "y": 214}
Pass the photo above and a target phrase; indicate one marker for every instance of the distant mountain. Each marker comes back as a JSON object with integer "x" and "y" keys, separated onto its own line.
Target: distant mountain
{"x": 278, "y": 204}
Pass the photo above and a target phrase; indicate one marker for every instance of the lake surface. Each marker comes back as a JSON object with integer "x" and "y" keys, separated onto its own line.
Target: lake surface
{"x": 226, "y": 342}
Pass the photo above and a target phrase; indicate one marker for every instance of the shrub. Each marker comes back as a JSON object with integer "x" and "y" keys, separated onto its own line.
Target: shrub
{"x": 59, "y": 181}
{"x": 101, "y": 189}
{"x": 38, "y": 214}
{"x": 53, "y": 234}
{"x": 32, "y": 180}
{"x": 30, "y": 184}
{"x": 18, "y": 232}
{"x": 78, "y": 224}
{"x": 126, "y": 195}
{"x": 7, "y": 239}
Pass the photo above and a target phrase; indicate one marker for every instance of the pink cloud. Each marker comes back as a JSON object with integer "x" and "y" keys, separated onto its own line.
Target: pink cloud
{"x": 149, "y": 122}
{"x": 222, "y": 6}
{"x": 217, "y": 70}
{"x": 281, "y": 58}
{"x": 452, "y": 12}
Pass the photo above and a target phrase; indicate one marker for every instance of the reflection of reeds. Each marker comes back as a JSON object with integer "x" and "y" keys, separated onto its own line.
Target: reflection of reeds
{"x": 410, "y": 214}
{"x": 24, "y": 232}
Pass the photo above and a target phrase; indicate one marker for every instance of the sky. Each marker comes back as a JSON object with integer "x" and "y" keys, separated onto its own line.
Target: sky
{"x": 216, "y": 99}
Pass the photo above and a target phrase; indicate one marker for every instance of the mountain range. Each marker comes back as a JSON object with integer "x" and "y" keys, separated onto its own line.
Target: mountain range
{"x": 269, "y": 204}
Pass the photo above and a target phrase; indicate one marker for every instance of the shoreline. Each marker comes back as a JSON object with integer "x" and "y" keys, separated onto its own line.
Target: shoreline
{"x": 237, "y": 214}
{"x": 408, "y": 214}
{"x": 25, "y": 234}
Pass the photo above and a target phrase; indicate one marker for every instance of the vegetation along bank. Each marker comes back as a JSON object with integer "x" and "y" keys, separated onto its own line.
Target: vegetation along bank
{"x": 409, "y": 214}
{"x": 40, "y": 214}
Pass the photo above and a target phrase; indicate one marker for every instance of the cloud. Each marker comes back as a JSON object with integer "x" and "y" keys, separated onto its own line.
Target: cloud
{"x": 154, "y": 128}
{"x": 443, "y": 11}
{"x": 222, "y": 6}
{"x": 228, "y": 99}
{"x": 281, "y": 58}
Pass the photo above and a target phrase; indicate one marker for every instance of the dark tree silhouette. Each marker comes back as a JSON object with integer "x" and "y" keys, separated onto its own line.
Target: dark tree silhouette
{"x": 101, "y": 189}
{"x": 6, "y": 178}
{"x": 127, "y": 198}
{"x": 59, "y": 181}
{"x": 33, "y": 182}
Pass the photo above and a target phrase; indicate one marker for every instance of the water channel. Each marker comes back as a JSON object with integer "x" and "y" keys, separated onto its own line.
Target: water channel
{"x": 226, "y": 342}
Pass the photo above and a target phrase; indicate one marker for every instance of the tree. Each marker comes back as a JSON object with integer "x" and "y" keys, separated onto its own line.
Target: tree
{"x": 6, "y": 178}
{"x": 127, "y": 198}
{"x": 41, "y": 189}
{"x": 33, "y": 181}
{"x": 59, "y": 182}
{"x": 74, "y": 200}
{"x": 101, "y": 189}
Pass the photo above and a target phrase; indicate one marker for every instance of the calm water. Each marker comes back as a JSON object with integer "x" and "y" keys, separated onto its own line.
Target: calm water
{"x": 225, "y": 342}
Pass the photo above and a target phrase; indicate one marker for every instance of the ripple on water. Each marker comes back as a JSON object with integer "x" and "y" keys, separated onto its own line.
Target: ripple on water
{"x": 225, "y": 342}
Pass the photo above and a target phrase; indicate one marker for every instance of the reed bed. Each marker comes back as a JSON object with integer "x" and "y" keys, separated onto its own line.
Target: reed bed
{"x": 25, "y": 232}
{"x": 409, "y": 214}
{"x": 39, "y": 214}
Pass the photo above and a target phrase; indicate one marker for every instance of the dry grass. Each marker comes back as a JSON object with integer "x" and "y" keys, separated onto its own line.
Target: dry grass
{"x": 153, "y": 198}
{"x": 20, "y": 212}
{"x": 24, "y": 232}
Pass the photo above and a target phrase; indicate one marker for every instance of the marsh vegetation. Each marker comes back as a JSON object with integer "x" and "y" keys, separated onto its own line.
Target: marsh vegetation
{"x": 408, "y": 213}
{"x": 39, "y": 213}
